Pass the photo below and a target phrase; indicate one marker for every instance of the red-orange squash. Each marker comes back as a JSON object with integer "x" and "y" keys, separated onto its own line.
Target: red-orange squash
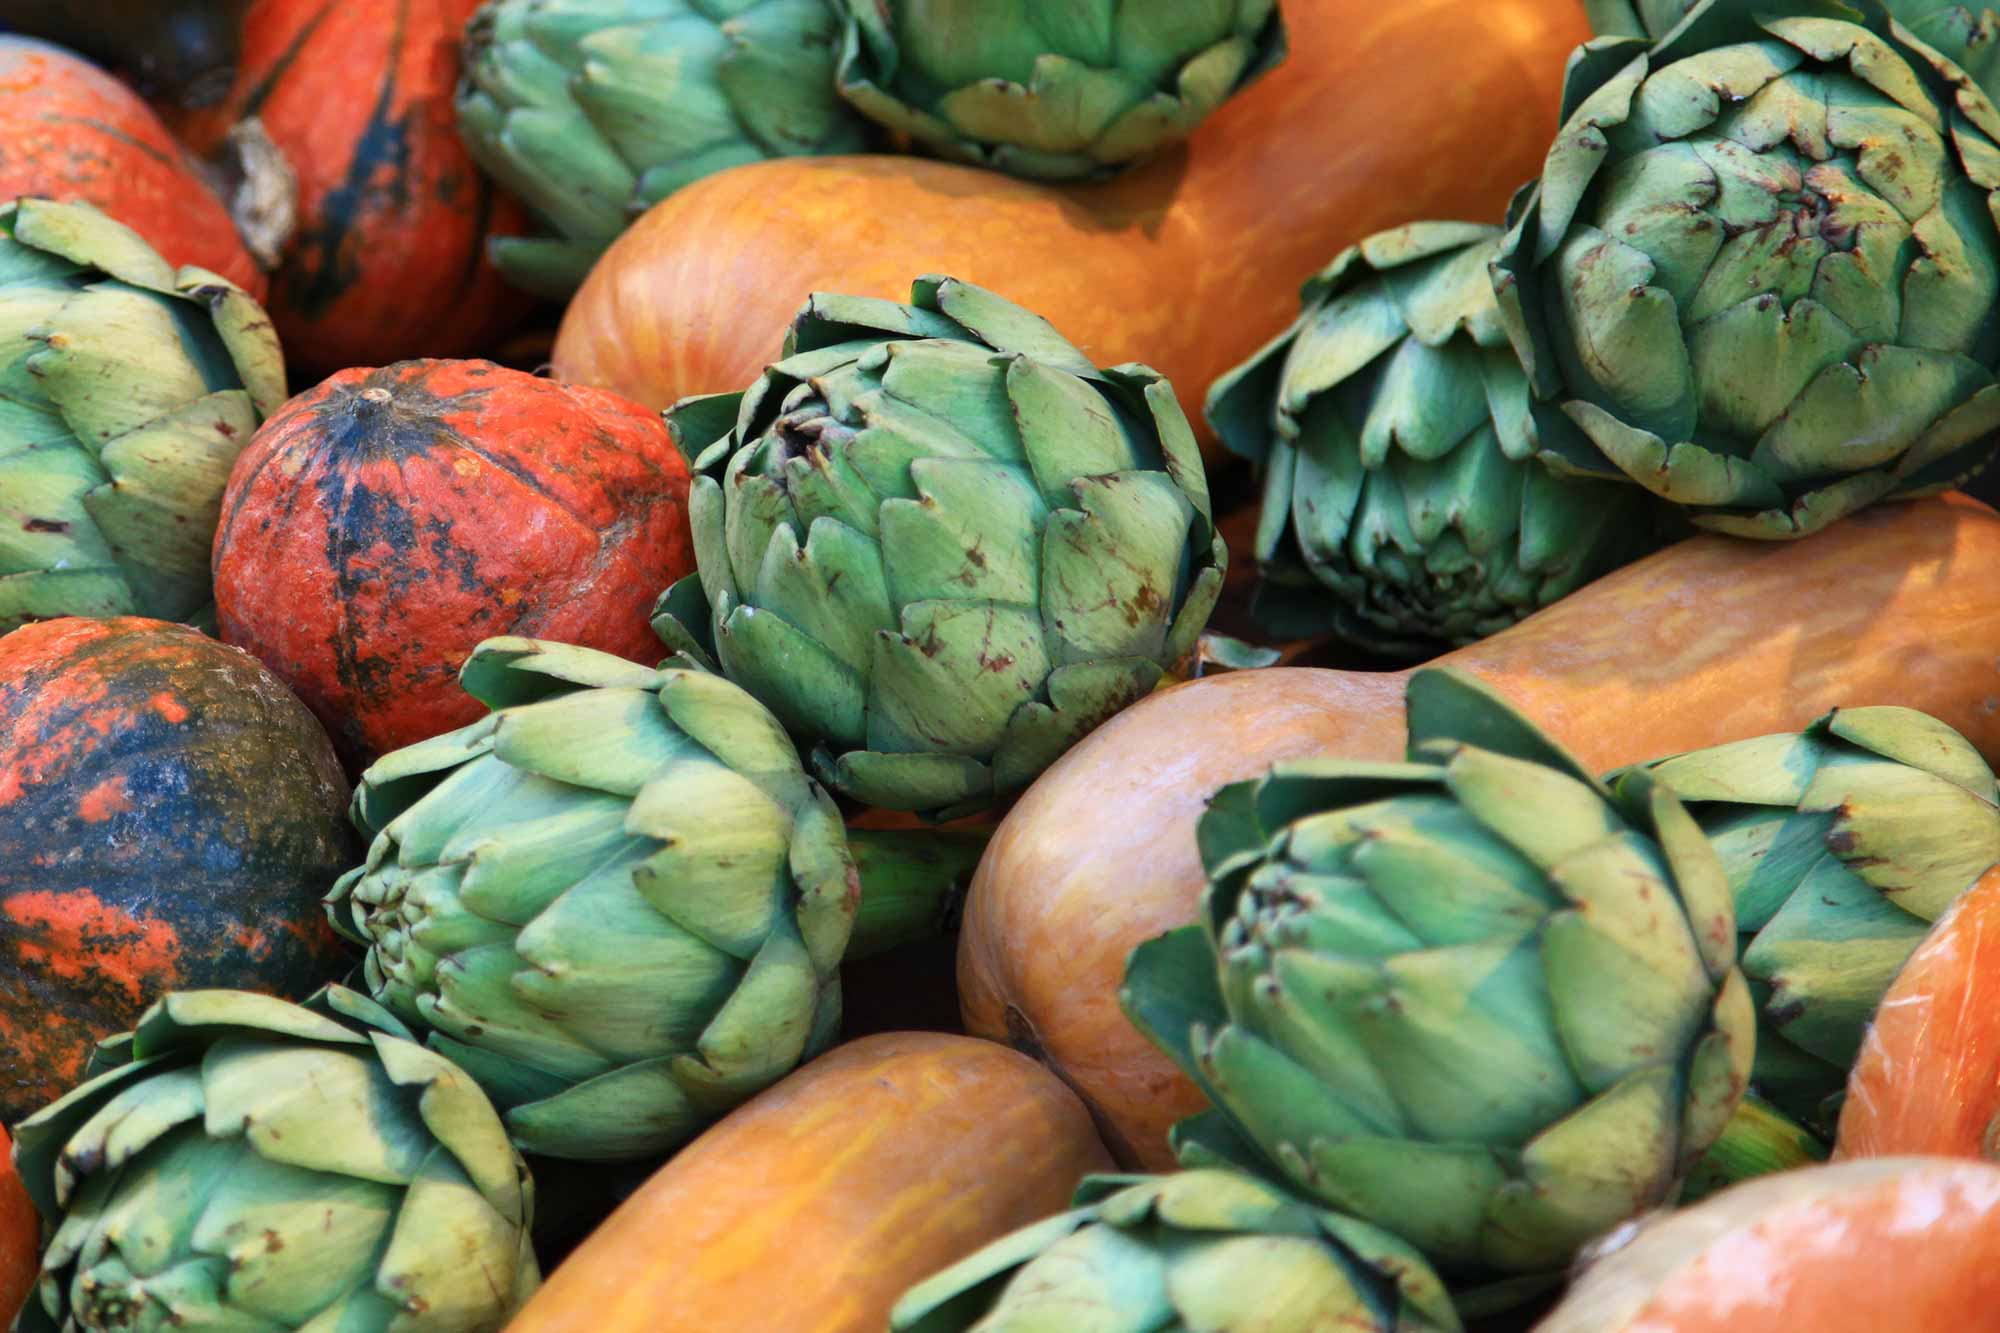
{"x": 20, "y": 1237}
{"x": 378, "y": 527}
{"x": 1928, "y": 1077}
{"x": 1894, "y": 1245}
{"x": 813, "y": 1206}
{"x": 1707, "y": 641}
{"x": 1380, "y": 114}
{"x": 169, "y": 819}
{"x": 68, "y": 130}
{"x": 386, "y": 259}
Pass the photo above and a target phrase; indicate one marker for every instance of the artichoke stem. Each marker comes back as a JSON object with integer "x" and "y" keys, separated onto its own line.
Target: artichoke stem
{"x": 913, "y": 884}
{"x": 1759, "y": 1140}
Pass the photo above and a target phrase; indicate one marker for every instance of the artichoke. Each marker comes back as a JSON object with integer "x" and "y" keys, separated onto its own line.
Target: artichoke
{"x": 616, "y": 900}
{"x": 1199, "y": 1250}
{"x": 241, "y": 1162}
{"x": 940, "y": 545}
{"x": 1842, "y": 844}
{"x": 1760, "y": 271}
{"x": 1404, "y": 508}
{"x": 127, "y": 388}
{"x": 1048, "y": 91}
{"x": 1968, "y": 33}
{"x": 1478, "y": 998}
{"x": 1650, "y": 19}
{"x": 591, "y": 111}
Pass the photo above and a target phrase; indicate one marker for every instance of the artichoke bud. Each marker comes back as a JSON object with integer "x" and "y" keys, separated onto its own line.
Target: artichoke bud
{"x": 127, "y": 388}
{"x": 1051, "y": 92}
{"x": 592, "y": 111}
{"x": 240, "y": 1161}
{"x": 1477, "y": 998}
{"x": 1407, "y": 502}
{"x": 1200, "y": 1249}
{"x": 1760, "y": 270}
{"x": 1842, "y": 844}
{"x": 940, "y": 545}
{"x": 617, "y": 900}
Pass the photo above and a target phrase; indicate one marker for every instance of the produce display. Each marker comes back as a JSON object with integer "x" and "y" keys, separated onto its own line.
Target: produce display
{"x": 130, "y": 387}
{"x": 866, "y": 613}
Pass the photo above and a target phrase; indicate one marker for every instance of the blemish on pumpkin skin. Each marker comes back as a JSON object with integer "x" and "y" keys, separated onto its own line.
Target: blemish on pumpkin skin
{"x": 106, "y": 799}
{"x": 168, "y": 707}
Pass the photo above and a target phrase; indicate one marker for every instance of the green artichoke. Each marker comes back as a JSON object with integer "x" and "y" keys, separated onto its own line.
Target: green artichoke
{"x": 1968, "y": 34}
{"x": 617, "y": 900}
{"x": 1199, "y": 1250}
{"x": 127, "y": 388}
{"x": 591, "y": 111}
{"x": 1051, "y": 91}
{"x": 240, "y": 1162}
{"x": 941, "y": 545}
{"x": 1650, "y": 19}
{"x": 1760, "y": 271}
{"x": 1478, "y": 998}
{"x": 1842, "y": 844}
{"x": 1404, "y": 507}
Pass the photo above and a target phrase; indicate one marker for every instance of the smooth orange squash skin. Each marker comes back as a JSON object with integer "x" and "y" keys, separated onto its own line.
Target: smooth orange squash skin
{"x": 815, "y": 1205}
{"x": 1900, "y": 1245}
{"x": 1928, "y": 1077}
{"x": 20, "y": 1237}
{"x": 1707, "y": 641}
{"x": 1381, "y": 113}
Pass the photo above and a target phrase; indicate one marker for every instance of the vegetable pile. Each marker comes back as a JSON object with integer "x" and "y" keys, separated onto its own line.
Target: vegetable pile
{"x": 903, "y": 666}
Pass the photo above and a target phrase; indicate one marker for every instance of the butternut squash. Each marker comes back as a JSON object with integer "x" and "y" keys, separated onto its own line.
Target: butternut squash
{"x": 1710, "y": 640}
{"x": 816, "y": 1204}
{"x": 1382, "y": 113}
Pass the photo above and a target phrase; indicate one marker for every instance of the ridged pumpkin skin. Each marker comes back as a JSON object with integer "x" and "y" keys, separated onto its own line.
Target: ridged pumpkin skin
{"x": 20, "y": 1237}
{"x": 388, "y": 257}
{"x": 1708, "y": 641}
{"x": 814, "y": 1206}
{"x": 1896, "y": 1245}
{"x": 1187, "y": 264}
{"x": 378, "y": 527}
{"x": 169, "y": 819}
{"x": 69, "y": 130}
{"x": 1928, "y": 1077}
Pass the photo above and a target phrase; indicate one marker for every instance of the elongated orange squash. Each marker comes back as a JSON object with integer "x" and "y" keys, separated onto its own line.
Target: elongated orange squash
{"x": 1382, "y": 113}
{"x": 816, "y": 1204}
{"x": 1707, "y": 641}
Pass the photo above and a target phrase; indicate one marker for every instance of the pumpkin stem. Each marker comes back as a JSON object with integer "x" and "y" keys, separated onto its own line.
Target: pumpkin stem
{"x": 912, "y": 884}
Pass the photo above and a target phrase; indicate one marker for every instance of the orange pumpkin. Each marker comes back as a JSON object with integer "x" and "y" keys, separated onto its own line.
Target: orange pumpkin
{"x": 1896, "y": 1245}
{"x": 387, "y": 257}
{"x": 1928, "y": 1077}
{"x": 1707, "y": 641}
{"x": 71, "y": 131}
{"x": 813, "y": 1206}
{"x": 1381, "y": 113}
{"x": 20, "y": 1238}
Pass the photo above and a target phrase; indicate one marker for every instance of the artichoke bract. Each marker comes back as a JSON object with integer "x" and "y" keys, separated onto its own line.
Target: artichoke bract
{"x": 591, "y": 111}
{"x": 940, "y": 544}
{"x": 1842, "y": 843}
{"x": 1051, "y": 92}
{"x": 1479, "y": 998}
{"x": 1760, "y": 271}
{"x": 1208, "y": 1249}
{"x": 1405, "y": 508}
{"x": 1651, "y": 19}
{"x": 242, "y": 1162}
{"x": 617, "y": 900}
{"x": 127, "y": 388}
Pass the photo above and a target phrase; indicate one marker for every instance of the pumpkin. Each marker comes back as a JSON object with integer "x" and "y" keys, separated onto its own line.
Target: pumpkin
{"x": 20, "y": 1238}
{"x": 1707, "y": 641}
{"x": 1928, "y": 1077}
{"x": 815, "y": 1205}
{"x": 1381, "y": 113}
{"x": 381, "y": 525}
{"x": 169, "y": 818}
{"x": 1896, "y": 1245}
{"x": 71, "y": 131}
{"x": 384, "y": 256}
